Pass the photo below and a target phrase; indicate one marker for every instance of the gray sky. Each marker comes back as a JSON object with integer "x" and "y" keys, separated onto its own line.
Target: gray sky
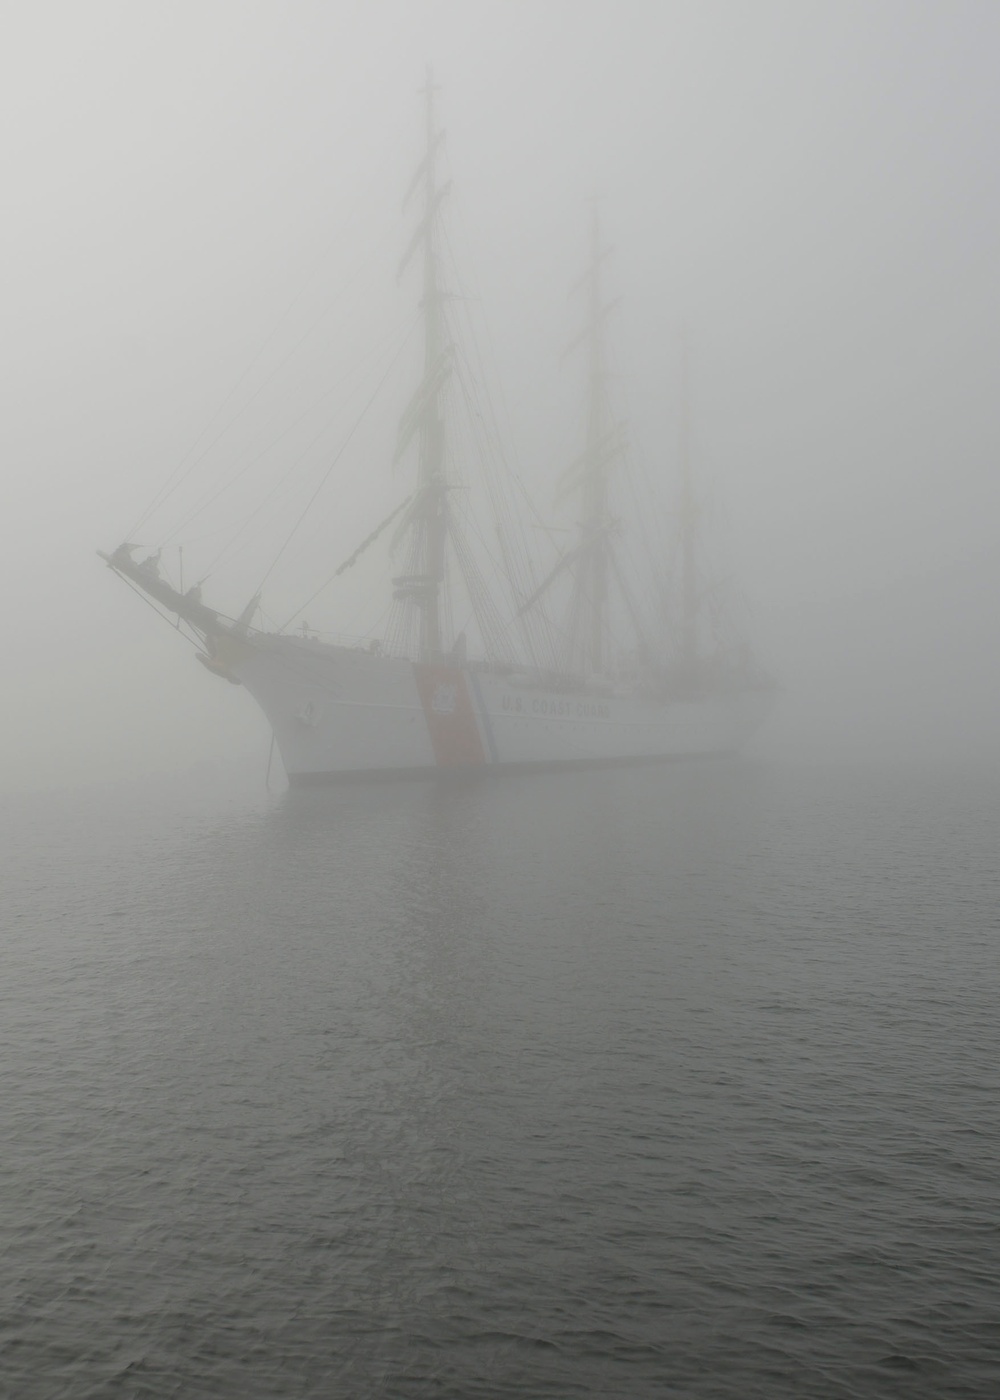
{"x": 811, "y": 187}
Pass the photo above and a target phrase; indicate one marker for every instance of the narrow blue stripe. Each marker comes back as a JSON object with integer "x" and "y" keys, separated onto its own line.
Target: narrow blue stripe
{"x": 484, "y": 713}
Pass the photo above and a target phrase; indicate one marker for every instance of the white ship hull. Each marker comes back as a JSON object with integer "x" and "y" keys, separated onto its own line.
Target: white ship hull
{"x": 337, "y": 711}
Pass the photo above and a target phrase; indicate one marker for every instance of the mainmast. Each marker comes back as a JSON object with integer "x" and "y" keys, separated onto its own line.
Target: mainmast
{"x": 427, "y": 519}
{"x": 431, "y": 475}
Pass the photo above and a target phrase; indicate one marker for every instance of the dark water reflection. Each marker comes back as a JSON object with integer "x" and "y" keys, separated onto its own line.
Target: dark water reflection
{"x": 674, "y": 1082}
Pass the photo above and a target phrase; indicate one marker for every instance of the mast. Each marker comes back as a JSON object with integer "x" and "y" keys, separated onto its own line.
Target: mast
{"x": 431, "y": 471}
{"x": 600, "y": 449}
{"x": 428, "y": 518}
{"x": 688, "y": 525}
{"x": 591, "y": 559}
{"x": 595, "y": 480}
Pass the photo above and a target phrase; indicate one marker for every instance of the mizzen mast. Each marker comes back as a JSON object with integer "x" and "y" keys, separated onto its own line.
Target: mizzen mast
{"x": 688, "y": 528}
{"x": 589, "y": 624}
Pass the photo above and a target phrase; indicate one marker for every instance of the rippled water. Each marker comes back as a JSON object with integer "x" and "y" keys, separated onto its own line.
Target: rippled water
{"x": 680, "y": 1082}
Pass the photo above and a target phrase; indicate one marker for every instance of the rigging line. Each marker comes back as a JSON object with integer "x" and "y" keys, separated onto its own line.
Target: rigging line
{"x": 171, "y": 484}
{"x": 352, "y": 559}
{"x": 230, "y": 421}
{"x": 336, "y": 458}
{"x": 471, "y": 525}
{"x": 209, "y": 497}
{"x": 504, "y": 573}
{"x": 496, "y": 444}
{"x": 289, "y": 472}
{"x": 626, "y": 376}
{"x": 483, "y": 448}
{"x": 649, "y": 520}
{"x": 630, "y": 605}
{"x": 468, "y": 388}
{"x": 150, "y": 604}
{"x": 491, "y": 457}
{"x": 482, "y": 604}
{"x": 363, "y": 636}
{"x": 471, "y": 392}
{"x": 480, "y": 596}
{"x": 483, "y": 419}
{"x": 517, "y": 572}
{"x": 641, "y": 523}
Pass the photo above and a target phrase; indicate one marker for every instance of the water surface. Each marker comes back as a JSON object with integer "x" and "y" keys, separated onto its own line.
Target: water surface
{"x": 666, "y": 1082}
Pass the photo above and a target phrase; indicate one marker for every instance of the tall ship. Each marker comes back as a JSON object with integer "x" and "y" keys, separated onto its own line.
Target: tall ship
{"x": 578, "y": 659}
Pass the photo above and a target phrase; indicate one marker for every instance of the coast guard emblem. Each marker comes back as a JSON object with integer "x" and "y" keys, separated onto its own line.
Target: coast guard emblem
{"x": 451, "y": 720}
{"x": 444, "y": 699}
